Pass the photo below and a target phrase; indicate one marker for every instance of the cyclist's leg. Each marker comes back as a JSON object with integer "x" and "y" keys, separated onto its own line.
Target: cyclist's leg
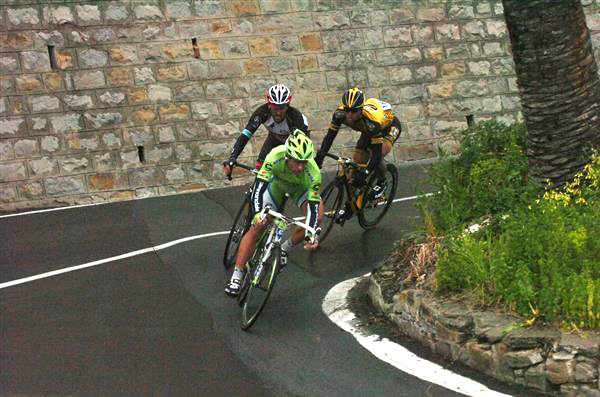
{"x": 248, "y": 242}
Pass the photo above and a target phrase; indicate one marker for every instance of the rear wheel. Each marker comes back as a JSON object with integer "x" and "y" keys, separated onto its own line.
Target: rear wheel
{"x": 260, "y": 281}
{"x": 240, "y": 225}
{"x": 377, "y": 202}
{"x": 333, "y": 196}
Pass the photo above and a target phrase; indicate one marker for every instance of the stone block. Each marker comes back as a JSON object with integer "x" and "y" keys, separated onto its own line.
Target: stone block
{"x": 192, "y": 131}
{"x": 331, "y": 20}
{"x": 159, "y": 93}
{"x": 16, "y": 41}
{"x": 104, "y": 161}
{"x": 460, "y": 11}
{"x": 174, "y": 112}
{"x": 144, "y": 75}
{"x": 78, "y": 102}
{"x": 29, "y": 83}
{"x": 23, "y": 17}
{"x": 6, "y": 150}
{"x": 112, "y": 98}
{"x": 31, "y": 190}
{"x": 50, "y": 144}
{"x": 96, "y": 120}
{"x": 9, "y": 63}
{"x": 162, "y": 154}
{"x": 174, "y": 174}
{"x": 88, "y": 14}
{"x": 177, "y": 10}
{"x": 12, "y": 127}
{"x": 242, "y": 8}
{"x": 119, "y": 77}
{"x": 218, "y": 89}
{"x": 115, "y": 12}
{"x": 221, "y": 129}
{"x": 44, "y": 103}
{"x": 83, "y": 142}
{"x": 204, "y": 110}
{"x": 397, "y": 36}
{"x": 44, "y": 166}
{"x": 65, "y": 185}
{"x": 111, "y": 139}
{"x": 105, "y": 181}
{"x": 65, "y": 123}
{"x": 210, "y": 49}
{"x": 178, "y": 52}
{"x": 144, "y": 115}
{"x": 307, "y": 63}
{"x": 92, "y": 58}
{"x": 138, "y": 95}
{"x": 25, "y": 148}
{"x": 13, "y": 171}
{"x": 123, "y": 55}
{"x": 141, "y": 177}
{"x": 209, "y": 8}
{"x": 73, "y": 165}
{"x": 262, "y": 46}
{"x": 147, "y": 12}
{"x": 58, "y": 15}
{"x": 172, "y": 73}
{"x": 35, "y": 61}
{"x": 88, "y": 80}
{"x": 560, "y": 371}
{"x": 255, "y": 67}
{"x": 165, "y": 133}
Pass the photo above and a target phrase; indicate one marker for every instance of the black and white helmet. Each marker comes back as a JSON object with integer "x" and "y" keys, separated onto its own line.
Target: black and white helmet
{"x": 279, "y": 94}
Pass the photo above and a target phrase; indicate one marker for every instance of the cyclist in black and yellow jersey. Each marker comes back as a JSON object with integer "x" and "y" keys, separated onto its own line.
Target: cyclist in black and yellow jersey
{"x": 379, "y": 130}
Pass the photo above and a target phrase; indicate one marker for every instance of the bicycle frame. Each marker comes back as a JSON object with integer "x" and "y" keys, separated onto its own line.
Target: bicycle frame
{"x": 344, "y": 166}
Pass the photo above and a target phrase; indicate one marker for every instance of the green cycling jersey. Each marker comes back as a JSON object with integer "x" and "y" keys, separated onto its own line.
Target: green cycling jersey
{"x": 282, "y": 180}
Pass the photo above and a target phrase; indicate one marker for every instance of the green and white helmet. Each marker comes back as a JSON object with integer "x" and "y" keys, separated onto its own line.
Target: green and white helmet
{"x": 298, "y": 146}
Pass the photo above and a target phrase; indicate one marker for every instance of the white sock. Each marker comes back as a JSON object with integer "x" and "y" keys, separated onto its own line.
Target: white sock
{"x": 238, "y": 274}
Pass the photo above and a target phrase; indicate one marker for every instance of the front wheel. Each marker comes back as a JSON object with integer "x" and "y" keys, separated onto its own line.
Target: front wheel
{"x": 333, "y": 196}
{"x": 240, "y": 225}
{"x": 378, "y": 197}
{"x": 260, "y": 281}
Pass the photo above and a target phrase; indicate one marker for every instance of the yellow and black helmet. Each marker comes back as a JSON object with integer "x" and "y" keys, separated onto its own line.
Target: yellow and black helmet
{"x": 353, "y": 98}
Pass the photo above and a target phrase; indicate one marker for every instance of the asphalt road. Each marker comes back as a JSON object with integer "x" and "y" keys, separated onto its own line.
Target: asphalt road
{"x": 159, "y": 324}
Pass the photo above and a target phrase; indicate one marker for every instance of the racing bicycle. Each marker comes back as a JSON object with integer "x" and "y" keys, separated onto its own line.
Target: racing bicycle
{"x": 241, "y": 223}
{"x": 369, "y": 203}
{"x": 263, "y": 267}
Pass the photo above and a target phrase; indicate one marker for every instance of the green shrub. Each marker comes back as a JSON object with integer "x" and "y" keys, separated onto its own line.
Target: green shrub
{"x": 488, "y": 177}
{"x": 542, "y": 259}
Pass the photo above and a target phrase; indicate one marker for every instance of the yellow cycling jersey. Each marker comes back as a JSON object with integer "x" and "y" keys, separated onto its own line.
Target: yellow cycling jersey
{"x": 379, "y": 112}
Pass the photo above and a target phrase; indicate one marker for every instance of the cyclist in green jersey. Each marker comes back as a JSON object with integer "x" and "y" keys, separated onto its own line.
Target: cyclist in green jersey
{"x": 290, "y": 169}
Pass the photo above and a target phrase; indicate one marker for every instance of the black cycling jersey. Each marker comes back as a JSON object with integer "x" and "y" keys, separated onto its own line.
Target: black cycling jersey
{"x": 374, "y": 126}
{"x": 278, "y": 132}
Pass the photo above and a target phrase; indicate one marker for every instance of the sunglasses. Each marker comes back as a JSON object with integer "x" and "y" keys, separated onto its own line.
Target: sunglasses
{"x": 277, "y": 107}
{"x": 355, "y": 110}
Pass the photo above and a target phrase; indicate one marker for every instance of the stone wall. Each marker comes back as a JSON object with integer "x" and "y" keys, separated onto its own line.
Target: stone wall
{"x": 113, "y": 100}
{"x": 541, "y": 358}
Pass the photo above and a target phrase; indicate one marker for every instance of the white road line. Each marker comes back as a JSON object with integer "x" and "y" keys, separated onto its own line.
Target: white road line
{"x": 106, "y": 260}
{"x": 335, "y": 306}
{"x": 53, "y": 209}
{"x": 122, "y": 256}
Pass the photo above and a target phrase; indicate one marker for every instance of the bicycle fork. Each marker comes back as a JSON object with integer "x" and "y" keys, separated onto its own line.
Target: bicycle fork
{"x": 273, "y": 240}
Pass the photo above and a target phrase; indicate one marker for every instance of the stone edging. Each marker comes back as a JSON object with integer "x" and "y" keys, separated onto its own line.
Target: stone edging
{"x": 544, "y": 359}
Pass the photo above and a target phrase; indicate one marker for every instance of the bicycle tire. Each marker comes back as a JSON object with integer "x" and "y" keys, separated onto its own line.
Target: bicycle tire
{"x": 240, "y": 225}
{"x": 333, "y": 197}
{"x": 259, "y": 289}
{"x": 370, "y": 214}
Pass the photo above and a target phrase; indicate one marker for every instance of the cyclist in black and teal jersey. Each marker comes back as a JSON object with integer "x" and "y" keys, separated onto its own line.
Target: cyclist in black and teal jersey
{"x": 290, "y": 169}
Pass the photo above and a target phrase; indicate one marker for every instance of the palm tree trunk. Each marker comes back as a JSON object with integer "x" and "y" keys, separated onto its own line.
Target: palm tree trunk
{"x": 558, "y": 83}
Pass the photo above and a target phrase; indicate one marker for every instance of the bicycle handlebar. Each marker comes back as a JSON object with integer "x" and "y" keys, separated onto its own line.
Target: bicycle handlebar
{"x": 344, "y": 160}
{"x": 244, "y": 166}
{"x": 289, "y": 221}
